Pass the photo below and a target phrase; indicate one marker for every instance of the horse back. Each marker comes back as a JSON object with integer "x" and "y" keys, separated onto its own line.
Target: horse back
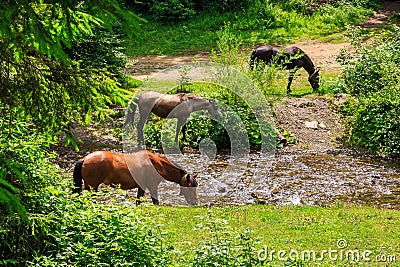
{"x": 267, "y": 52}
{"x": 293, "y": 50}
{"x": 264, "y": 53}
{"x": 165, "y": 106}
{"x": 108, "y": 168}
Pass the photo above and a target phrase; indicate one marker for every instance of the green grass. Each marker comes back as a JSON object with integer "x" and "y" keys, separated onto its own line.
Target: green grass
{"x": 272, "y": 24}
{"x": 285, "y": 228}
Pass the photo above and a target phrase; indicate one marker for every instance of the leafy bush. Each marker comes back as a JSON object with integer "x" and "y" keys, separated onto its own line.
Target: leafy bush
{"x": 201, "y": 126}
{"x": 259, "y": 15}
{"x": 375, "y": 123}
{"x": 360, "y": 3}
{"x": 308, "y": 7}
{"x": 373, "y": 67}
{"x": 372, "y": 74}
{"x": 168, "y": 11}
{"x": 341, "y": 15}
{"x": 80, "y": 231}
{"x": 25, "y": 163}
{"x": 26, "y": 168}
{"x": 96, "y": 234}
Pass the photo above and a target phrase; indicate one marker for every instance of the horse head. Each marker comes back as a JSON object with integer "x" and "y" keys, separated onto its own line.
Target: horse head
{"x": 189, "y": 188}
{"x": 212, "y": 108}
{"x": 314, "y": 79}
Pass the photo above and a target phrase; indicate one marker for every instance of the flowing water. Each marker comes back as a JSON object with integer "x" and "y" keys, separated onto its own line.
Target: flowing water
{"x": 301, "y": 178}
{"x": 283, "y": 178}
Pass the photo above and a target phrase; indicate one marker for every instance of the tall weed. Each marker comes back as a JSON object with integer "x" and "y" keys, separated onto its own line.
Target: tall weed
{"x": 225, "y": 247}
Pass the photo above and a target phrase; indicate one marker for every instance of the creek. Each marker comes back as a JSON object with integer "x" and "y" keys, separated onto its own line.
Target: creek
{"x": 287, "y": 178}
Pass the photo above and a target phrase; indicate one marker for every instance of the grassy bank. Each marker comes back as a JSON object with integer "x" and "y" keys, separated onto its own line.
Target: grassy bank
{"x": 89, "y": 233}
{"x": 318, "y": 229}
{"x": 261, "y": 22}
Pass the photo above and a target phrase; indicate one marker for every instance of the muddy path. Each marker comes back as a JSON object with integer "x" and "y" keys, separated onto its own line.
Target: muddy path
{"x": 322, "y": 54}
{"x": 316, "y": 170}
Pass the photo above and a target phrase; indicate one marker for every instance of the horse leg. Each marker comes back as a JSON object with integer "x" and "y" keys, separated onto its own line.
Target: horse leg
{"x": 291, "y": 76}
{"x": 181, "y": 123}
{"x": 154, "y": 196}
{"x": 140, "y": 127}
{"x": 140, "y": 194}
{"x": 184, "y": 132}
{"x": 155, "y": 201}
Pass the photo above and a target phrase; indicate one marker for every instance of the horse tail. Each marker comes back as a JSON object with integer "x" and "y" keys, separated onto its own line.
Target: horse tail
{"x": 252, "y": 59}
{"x": 130, "y": 114}
{"x": 78, "y": 177}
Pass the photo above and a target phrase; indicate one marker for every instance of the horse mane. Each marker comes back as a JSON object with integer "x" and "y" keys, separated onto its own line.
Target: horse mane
{"x": 169, "y": 160}
{"x": 308, "y": 58}
{"x": 304, "y": 55}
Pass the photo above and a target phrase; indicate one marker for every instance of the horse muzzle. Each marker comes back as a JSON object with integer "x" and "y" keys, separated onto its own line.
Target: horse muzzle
{"x": 190, "y": 194}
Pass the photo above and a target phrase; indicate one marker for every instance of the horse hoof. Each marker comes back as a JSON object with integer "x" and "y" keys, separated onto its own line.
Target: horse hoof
{"x": 283, "y": 141}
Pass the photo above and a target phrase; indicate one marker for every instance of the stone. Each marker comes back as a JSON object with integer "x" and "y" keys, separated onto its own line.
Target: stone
{"x": 311, "y": 124}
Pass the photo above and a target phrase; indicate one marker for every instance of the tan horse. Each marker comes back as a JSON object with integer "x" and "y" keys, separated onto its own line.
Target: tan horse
{"x": 142, "y": 170}
{"x": 178, "y": 106}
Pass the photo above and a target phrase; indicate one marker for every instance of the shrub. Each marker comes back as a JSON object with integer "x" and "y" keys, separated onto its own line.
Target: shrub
{"x": 375, "y": 124}
{"x": 259, "y": 15}
{"x": 200, "y": 126}
{"x": 27, "y": 171}
{"x": 308, "y": 7}
{"x": 99, "y": 234}
{"x": 171, "y": 10}
{"x": 86, "y": 230}
{"x": 373, "y": 67}
{"x": 25, "y": 163}
{"x": 372, "y": 74}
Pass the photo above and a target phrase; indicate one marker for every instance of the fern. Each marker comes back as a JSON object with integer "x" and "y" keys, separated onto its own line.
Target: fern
{"x": 9, "y": 198}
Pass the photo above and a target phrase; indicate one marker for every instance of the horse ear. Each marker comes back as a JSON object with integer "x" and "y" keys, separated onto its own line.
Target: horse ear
{"x": 195, "y": 175}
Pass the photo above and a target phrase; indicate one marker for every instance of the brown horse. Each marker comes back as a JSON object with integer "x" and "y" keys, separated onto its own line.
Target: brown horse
{"x": 292, "y": 58}
{"x": 142, "y": 170}
{"x": 178, "y": 106}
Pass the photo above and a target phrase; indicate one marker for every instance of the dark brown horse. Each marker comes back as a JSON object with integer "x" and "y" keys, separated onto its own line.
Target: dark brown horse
{"x": 142, "y": 170}
{"x": 178, "y": 106}
{"x": 291, "y": 58}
